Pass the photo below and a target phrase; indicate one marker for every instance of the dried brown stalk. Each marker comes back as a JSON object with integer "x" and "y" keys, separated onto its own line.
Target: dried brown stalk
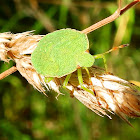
{"x": 8, "y": 72}
{"x": 18, "y": 47}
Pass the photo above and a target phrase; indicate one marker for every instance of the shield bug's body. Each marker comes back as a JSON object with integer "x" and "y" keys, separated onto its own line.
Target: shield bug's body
{"x": 61, "y": 52}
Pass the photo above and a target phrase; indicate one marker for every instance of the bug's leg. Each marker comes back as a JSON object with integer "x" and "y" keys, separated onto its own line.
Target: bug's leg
{"x": 91, "y": 83}
{"x": 71, "y": 93}
{"x": 54, "y": 84}
{"x": 98, "y": 56}
{"x": 93, "y": 92}
{"x": 8, "y": 72}
{"x": 80, "y": 79}
{"x": 48, "y": 79}
{"x": 87, "y": 72}
{"x": 111, "y": 18}
{"x": 58, "y": 85}
{"x": 65, "y": 83}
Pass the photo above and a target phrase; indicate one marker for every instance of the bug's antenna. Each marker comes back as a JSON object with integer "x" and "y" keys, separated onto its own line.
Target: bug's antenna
{"x": 111, "y": 18}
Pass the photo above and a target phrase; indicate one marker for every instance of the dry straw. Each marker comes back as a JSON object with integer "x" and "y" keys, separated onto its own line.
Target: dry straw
{"x": 109, "y": 92}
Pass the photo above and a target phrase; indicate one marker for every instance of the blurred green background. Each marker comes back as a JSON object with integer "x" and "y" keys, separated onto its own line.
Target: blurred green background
{"x": 26, "y": 114}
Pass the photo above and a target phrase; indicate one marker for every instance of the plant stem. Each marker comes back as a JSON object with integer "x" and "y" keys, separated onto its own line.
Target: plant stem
{"x": 8, "y": 72}
{"x": 111, "y": 18}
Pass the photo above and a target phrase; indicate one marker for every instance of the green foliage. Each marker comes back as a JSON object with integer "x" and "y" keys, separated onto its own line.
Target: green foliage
{"x": 60, "y": 52}
{"x": 26, "y": 114}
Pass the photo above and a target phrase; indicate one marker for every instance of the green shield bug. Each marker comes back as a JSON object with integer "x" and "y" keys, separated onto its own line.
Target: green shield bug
{"x": 61, "y": 52}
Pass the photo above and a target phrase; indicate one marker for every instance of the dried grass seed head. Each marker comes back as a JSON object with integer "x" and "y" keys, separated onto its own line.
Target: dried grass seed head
{"x": 19, "y": 47}
{"x": 112, "y": 94}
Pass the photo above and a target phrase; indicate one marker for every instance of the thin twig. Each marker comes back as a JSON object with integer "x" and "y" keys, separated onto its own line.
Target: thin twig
{"x": 129, "y": 6}
{"x": 8, "y": 72}
{"x": 111, "y": 18}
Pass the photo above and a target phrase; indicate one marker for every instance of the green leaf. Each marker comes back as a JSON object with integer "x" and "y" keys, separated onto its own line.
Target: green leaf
{"x": 60, "y": 52}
